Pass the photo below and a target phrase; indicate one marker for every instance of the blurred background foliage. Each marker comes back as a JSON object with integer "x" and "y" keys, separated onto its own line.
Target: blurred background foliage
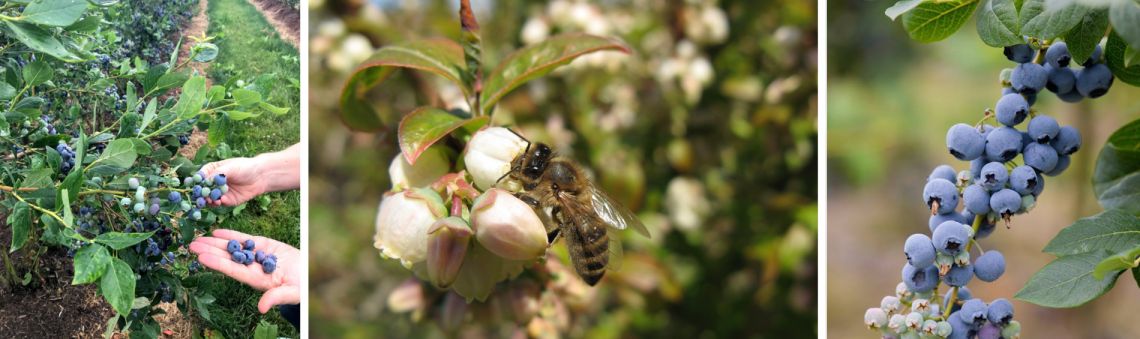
{"x": 708, "y": 131}
{"x": 890, "y": 102}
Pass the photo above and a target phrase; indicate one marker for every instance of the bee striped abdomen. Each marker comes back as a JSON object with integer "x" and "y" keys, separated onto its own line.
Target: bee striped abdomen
{"x": 592, "y": 256}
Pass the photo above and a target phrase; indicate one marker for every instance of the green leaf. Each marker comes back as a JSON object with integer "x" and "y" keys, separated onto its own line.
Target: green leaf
{"x": 37, "y": 72}
{"x": 239, "y": 115}
{"x": 150, "y": 113}
{"x": 440, "y": 56}
{"x": 21, "y": 221}
{"x": 90, "y": 264}
{"x": 167, "y": 81}
{"x": 1067, "y": 281}
{"x": 192, "y": 98}
{"x": 1116, "y": 179}
{"x": 539, "y": 59}
{"x": 997, "y": 23}
{"x": 901, "y": 7}
{"x": 7, "y": 92}
{"x": 1116, "y": 263}
{"x": 424, "y": 127}
{"x": 932, "y": 21}
{"x": 1125, "y": 18}
{"x": 265, "y": 330}
{"x": 273, "y": 109}
{"x": 202, "y": 303}
{"x": 54, "y": 12}
{"x": 206, "y": 52}
{"x": 1085, "y": 36}
{"x": 119, "y": 240}
{"x": 1111, "y": 230}
{"x": 119, "y": 155}
{"x": 1043, "y": 19}
{"x": 118, "y": 286}
{"x": 39, "y": 39}
{"x": 67, "y": 196}
{"x": 218, "y": 130}
{"x": 40, "y": 177}
{"x": 245, "y": 97}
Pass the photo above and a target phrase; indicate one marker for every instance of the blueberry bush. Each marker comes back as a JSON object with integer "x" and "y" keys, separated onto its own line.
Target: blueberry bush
{"x": 1011, "y": 150}
{"x": 93, "y": 139}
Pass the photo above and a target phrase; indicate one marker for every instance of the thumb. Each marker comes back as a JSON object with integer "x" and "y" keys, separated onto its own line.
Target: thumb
{"x": 278, "y": 296}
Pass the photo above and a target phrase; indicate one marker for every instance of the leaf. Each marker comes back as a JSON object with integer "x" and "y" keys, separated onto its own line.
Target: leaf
{"x": 119, "y": 240}
{"x": 1116, "y": 179}
{"x": 39, "y": 39}
{"x": 118, "y": 286}
{"x": 933, "y": 21}
{"x": 424, "y": 127}
{"x": 66, "y": 196}
{"x": 997, "y": 23}
{"x": 1044, "y": 19}
{"x": 119, "y": 155}
{"x": 168, "y": 81}
{"x": 539, "y": 59}
{"x": 1111, "y": 230}
{"x": 1086, "y": 35}
{"x": 192, "y": 98}
{"x": 21, "y": 221}
{"x": 265, "y": 330}
{"x": 37, "y": 72}
{"x": 900, "y": 8}
{"x": 1116, "y": 263}
{"x": 244, "y": 97}
{"x": 202, "y": 303}
{"x": 239, "y": 115}
{"x": 40, "y": 177}
{"x": 273, "y": 109}
{"x": 149, "y": 114}
{"x": 90, "y": 264}
{"x": 440, "y": 56}
{"x": 206, "y": 52}
{"x": 218, "y": 130}
{"x": 54, "y": 12}
{"x": 7, "y": 92}
{"x": 1067, "y": 281}
{"x": 1125, "y": 18}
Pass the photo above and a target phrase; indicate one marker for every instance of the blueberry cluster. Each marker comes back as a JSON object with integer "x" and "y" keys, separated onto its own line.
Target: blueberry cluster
{"x": 213, "y": 187}
{"x": 1056, "y": 74}
{"x": 68, "y": 156}
{"x": 244, "y": 254}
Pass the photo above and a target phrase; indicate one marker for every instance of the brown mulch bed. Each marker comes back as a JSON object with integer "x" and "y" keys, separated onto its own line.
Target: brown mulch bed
{"x": 286, "y": 20}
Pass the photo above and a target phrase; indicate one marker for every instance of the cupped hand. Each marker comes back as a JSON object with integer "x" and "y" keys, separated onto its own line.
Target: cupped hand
{"x": 283, "y": 286}
{"x": 242, "y": 177}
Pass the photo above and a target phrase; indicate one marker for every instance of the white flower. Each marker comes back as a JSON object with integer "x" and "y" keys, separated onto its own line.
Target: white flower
{"x": 447, "y": 246}
{"x": 431, "y": 165}
{"x": 535, "y": 30}
{"x": 489, "y": 155}
{"x": 507, "y": 226}
{"x": 686, "y": 201}
{"x": 402, "y": 224}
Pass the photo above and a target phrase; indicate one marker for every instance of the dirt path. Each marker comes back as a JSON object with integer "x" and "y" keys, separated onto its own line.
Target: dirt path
{"x": 198, "y": 27}
{"x": 284, "y": 19}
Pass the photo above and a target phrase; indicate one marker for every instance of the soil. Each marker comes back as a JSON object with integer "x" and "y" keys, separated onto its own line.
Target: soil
{"x": 196, "y": 28}
{"x": 286, "y": 20}
{"x": 198, "y": 139}
{"x": 49, "y": 306}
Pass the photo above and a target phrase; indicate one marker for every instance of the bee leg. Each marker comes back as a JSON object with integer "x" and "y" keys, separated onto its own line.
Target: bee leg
{"x": 529, "y": 200}
{"x": 552, "y": 236}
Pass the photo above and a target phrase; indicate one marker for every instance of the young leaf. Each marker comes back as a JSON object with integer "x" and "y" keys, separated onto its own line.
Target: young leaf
{"x": 440, "y": 56}
{"x": 539, "y": 59}
{"x": 900, "y": 8}
{"x": 119, "y": 241}
{"x": 424, "y": 127}
{"x": 1116, "y": 179}
{"x": 1068, "y": 281}
{"x": 58, "y": 13}
{"x": 150, "y": 113}
{"x": 1111, "y": 230}
{"x": 1125, "y": 18}
{"x": 21, "y": 221}
{"x": 1116, "y": 263}
{"x": 997, "y": 23}
{"x": 1085, "y": 36}
{"x": 1046, "y": 20}
{"x": 37, "y": 72}
{"x": 931, "y": 21}
{"x": 118, "y": 286}
{"x": 193, "y": 96}
{"x": 90, "y": 264}
{"x": 119, "y": 155}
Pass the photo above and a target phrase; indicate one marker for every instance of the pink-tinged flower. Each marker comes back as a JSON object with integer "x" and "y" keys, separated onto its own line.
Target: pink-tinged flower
{"x": 507, "y": 226}
{"x": 447, "y": 246}
{"x": 454, "y": 312}
{"x": 430, "y": 166}
{"x": 402, "y": 224}
{"x": 489, "y": 155}
{"x": 409, "y": 296}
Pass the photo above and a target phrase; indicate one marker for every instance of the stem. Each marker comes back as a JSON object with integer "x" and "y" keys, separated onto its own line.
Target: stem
{"x": 473, "y": 54}
{"x": 41, "y": 209}
{"x": 954, "y": 291}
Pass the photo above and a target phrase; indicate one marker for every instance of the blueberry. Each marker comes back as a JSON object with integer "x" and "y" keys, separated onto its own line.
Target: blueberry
{"x": 175, "y": 197}
{"x": 1011, "y": 110}
{"x": 960, "y": 329}
{"x": 1006, "y": 202}
{"x": 973, "y": 312}
{"x": 964, "y": 142}
{"x": 951, "y": 237}
{"x": 1019, "y": 53}
{"x": 215, "y": 194}
{"x": 238, "y": 257}
{"x": 1072, "y": 96}
{"x": 1057, "y": 55}
{"x": 943, "y": 172}
{"x": 1094, "y": 58}
{"x": 201, "y": 202}
{"x": 1060, "y": 80}
{"x": 989, "y": 266}
{"x": 938, "y": 219}
{"x": 188, "y": 181}
{"x": 941, "y": 196}
{"x": 1043, "y": 128}
{"x": 233, "y": 246}
{"x": 220, "y": 179}
{"x": 919, "y": 250}
{"x": 874, "y": 317}
{"x": 248, "y": 257}
{"x": 989, "y": 331}
{"x": 890, "y": 304}
{"x": 920, "y": 280}
{"x": 1000, "y": 312}
{"x": 154, "y": 208}
{"x": 977, "y": 199}
{"x": 139, "y": 207}
{"x": 248, "y": 244}
{"x": 125, "y": 201}
{"x": 1023, "y": 180}
{"x": 976, "y": 166}
{"x": 963, "y": 295}
{"x": 985, "y": 229}
{"x": 133, "y": 183}
{"x": 1041, "y": 157}
{"x": 1068, "y": 141}
{"x": 196, "y": 191}
{"x": 1029, "y": 78}
{"x": 959, "y": 276}
{"x": 259, "y": 256}
{"x": 1003, "y": 144}
{"x": 1094, "y": 81}
{"x": 140, "y": 193}
{"x": 197, "y": 215}
{"x": 268, "y": 266}
{"x": 1062, "y": 165}
{"x": 993, "y": 177}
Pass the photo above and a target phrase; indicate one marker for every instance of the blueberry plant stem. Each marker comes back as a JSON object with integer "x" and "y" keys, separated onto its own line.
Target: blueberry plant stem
{"x": 954, "y": 290}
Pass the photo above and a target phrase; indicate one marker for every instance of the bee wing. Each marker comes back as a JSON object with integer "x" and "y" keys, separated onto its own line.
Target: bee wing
{"x": 614, "y": 213}
{"x": 616, "y": 254}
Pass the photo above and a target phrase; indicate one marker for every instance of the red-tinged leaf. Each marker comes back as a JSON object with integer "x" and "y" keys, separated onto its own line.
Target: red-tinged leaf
{"x": 539, "y": 59}
{"x": 440, "y": 56}
{"x": 427, "y": 125}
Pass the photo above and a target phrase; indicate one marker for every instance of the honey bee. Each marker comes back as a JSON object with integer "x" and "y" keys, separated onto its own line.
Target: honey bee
{"x": 572, "y": 208}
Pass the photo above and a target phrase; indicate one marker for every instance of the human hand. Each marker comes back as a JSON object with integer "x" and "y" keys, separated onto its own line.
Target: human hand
{"x": 283, "y": 286}
{"x": 242, "y": 177}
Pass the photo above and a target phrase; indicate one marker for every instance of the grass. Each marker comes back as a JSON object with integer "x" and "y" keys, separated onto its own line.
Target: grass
{"x": 250, "y": 49}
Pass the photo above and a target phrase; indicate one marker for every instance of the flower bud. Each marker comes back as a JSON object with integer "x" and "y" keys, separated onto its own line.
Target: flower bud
{"x": 447, "y": 247}
{"x": 507, "y": 226}
{"x": 489, "y": 155}
{"x": 431, "y": 165}
{"x": 402, "y": 224}
{"x": 454, "y": 312}
{"x": 408, "y": 296}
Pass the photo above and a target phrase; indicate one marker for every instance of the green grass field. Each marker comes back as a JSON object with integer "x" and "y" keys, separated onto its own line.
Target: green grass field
{"x": 250, "y": 48}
